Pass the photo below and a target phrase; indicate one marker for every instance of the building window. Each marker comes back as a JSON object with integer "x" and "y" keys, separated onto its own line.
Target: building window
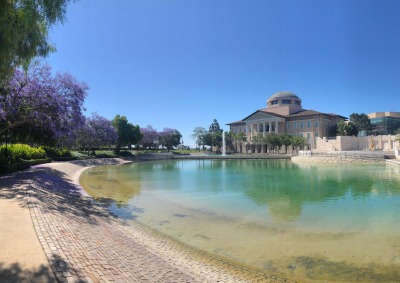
{"x": 286, "y": 101}
{"x": 287, "y": 125}
{"x": 294, "y": 125}
{"x": 316, "y": 124}
{"x": 316, "y": 134}
{"x": 261, "y": 128}
{"x": 273, "y": 102}
{"x": 308, "y": 124}
{"x": 308, "y": 136}
{"x": 301, "y": 125}
{"x": 297, "y": 102}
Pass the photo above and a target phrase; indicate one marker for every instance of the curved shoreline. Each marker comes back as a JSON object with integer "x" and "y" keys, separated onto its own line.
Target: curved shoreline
{"x": 83, "y": 242}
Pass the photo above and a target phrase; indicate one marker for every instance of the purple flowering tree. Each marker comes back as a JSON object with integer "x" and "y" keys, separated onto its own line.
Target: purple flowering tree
{"x": 150, "y": 137}
{"x": 97, "y": 132}
{"x": 51, "y": 105}
{"x": 169, "y": 138}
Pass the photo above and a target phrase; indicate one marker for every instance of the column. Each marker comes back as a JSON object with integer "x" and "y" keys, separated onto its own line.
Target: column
{"x": 276, "y": 126}
{"x": 269, "y": 130}
{"x": 264, "y": 129}
{"x": 251, "y": 130}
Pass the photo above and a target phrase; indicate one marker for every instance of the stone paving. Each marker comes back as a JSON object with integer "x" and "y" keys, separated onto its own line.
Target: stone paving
{"x": 85, "y": 243}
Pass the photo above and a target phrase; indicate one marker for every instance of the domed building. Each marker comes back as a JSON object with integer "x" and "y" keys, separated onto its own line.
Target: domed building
{"x": 284, "y": 114}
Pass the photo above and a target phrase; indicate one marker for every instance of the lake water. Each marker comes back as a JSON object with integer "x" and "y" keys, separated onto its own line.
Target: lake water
{"x": 314, "y": 222}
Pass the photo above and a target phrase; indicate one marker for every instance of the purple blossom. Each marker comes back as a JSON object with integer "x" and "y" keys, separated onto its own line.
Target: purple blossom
{"x": 46, "y": 103}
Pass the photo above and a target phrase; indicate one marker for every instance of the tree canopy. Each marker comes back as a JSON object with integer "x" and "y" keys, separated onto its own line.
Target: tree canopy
{"x": 361, "y": 122}
{"x": 150, "y": 137}
{"x": 24, "y": 26}
{"x": 346, "y": 129}
{"x": 38, "y": 102}
{"x": 128, "y": 134}
{"x": 170, "y": 138}
{"x": 199, "y": 136}
{"x": 96, "y": 132}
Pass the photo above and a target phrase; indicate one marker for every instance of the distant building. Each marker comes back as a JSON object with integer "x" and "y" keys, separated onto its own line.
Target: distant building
{"x": 385, "y": 123}
{"x": 285, "y": 114}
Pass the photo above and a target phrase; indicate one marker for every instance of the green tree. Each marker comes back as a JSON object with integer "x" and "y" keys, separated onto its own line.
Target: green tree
{"x": 128, "y": 134}
{"x": 298, "y": 141}
{"x": 241, "y": 136}
{"x": 346, "y": 129}
{"x": 215, "y": 128}
{"x": 198, "y": 135}
{"x": 215, "y": 139}
{"x": 24, "y": 26}
{"x": 170, "y": 138}
{"x": 286, "y": 140}
{"x": 361, "y": 122}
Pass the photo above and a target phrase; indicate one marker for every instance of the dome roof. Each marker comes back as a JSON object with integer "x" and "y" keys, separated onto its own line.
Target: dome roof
{"x": 281, "y": 94}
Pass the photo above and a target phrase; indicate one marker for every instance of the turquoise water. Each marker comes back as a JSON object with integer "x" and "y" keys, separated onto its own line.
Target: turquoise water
{"x": 319, "y": 222}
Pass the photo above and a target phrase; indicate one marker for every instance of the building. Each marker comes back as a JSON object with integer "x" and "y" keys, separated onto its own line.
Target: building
{"x": 385, "y": 123}
{"x": 284, "y": 114}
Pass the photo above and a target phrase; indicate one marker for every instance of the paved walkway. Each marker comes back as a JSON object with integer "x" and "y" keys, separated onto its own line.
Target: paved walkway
{"x": 84, "y": 243}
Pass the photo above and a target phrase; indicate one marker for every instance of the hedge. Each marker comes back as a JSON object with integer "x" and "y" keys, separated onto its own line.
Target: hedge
{"x": 16, "y": 153}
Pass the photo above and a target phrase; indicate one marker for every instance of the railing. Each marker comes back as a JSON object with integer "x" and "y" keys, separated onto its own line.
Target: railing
{"x": 344, "y": 154}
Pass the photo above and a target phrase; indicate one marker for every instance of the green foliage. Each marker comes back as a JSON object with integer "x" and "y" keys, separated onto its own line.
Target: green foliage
{"x": 57, "y": 152}
{"x": 14, "y": 153}
{"x": 275, "y": 139}
{"x": 198, "y": 135}
{"x": 128, "y": 134}
{"x": 241, "y": 136}
{"x": 24, "y": 29}
{"x": 346, "y": 129}
{"x": 361, "y": 122}
{"x": 213, "y": 137}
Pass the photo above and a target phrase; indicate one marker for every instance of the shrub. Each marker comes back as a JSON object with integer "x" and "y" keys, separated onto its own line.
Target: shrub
{"x": 57, "y": 152}
{"x": 15, "y": 153}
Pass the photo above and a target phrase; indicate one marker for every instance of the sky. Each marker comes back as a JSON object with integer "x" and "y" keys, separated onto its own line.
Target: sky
{"x": 182, "y": 63}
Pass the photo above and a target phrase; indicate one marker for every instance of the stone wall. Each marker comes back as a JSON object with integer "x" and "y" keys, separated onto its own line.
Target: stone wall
{"x": 344, "y": 143}
{"x": 339, "y": 157}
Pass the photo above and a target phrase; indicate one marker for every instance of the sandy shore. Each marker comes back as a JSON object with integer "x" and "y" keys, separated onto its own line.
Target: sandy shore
{"x": 52, "y": 231}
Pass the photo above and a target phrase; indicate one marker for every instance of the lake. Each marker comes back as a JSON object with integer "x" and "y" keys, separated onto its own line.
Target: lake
{"x": 302, "y": 221}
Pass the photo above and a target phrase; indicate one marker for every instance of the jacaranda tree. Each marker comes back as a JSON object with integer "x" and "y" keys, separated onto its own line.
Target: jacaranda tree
{"x": 169, "y": 138}
{"x": 97, "y": 132}
{"x": 150, "y": 137}
{"x": 47, "y": 104}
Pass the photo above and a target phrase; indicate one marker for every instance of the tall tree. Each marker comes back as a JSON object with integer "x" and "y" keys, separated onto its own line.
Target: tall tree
{"x": 215, "y": 135}
{"x": 361, "y": 122}
{"x": 128, "y": 134}
{"x": 38, "y": 102}
{"x": 170, "y": 138}
{"x": 97, "y": 132}
{"x": 346, "y": 129}
{"x": 150, "y": 137}
{"x": 24, "y": 26}
{"x": 199, "y": 136}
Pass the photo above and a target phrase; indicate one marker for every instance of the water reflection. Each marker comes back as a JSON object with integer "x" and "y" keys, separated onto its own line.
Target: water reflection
{"x": 337, "y": 222}
{"x": 283, "y": 187}
{"x": 111, "y": 185}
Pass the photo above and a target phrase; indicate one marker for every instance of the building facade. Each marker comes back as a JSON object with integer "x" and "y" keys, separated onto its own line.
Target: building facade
{"x": 385, "y": 123}
{"x": 284, "y": 114}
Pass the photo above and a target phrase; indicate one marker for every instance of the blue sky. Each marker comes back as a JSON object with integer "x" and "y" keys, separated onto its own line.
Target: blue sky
{"x": 182, "y": 63}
